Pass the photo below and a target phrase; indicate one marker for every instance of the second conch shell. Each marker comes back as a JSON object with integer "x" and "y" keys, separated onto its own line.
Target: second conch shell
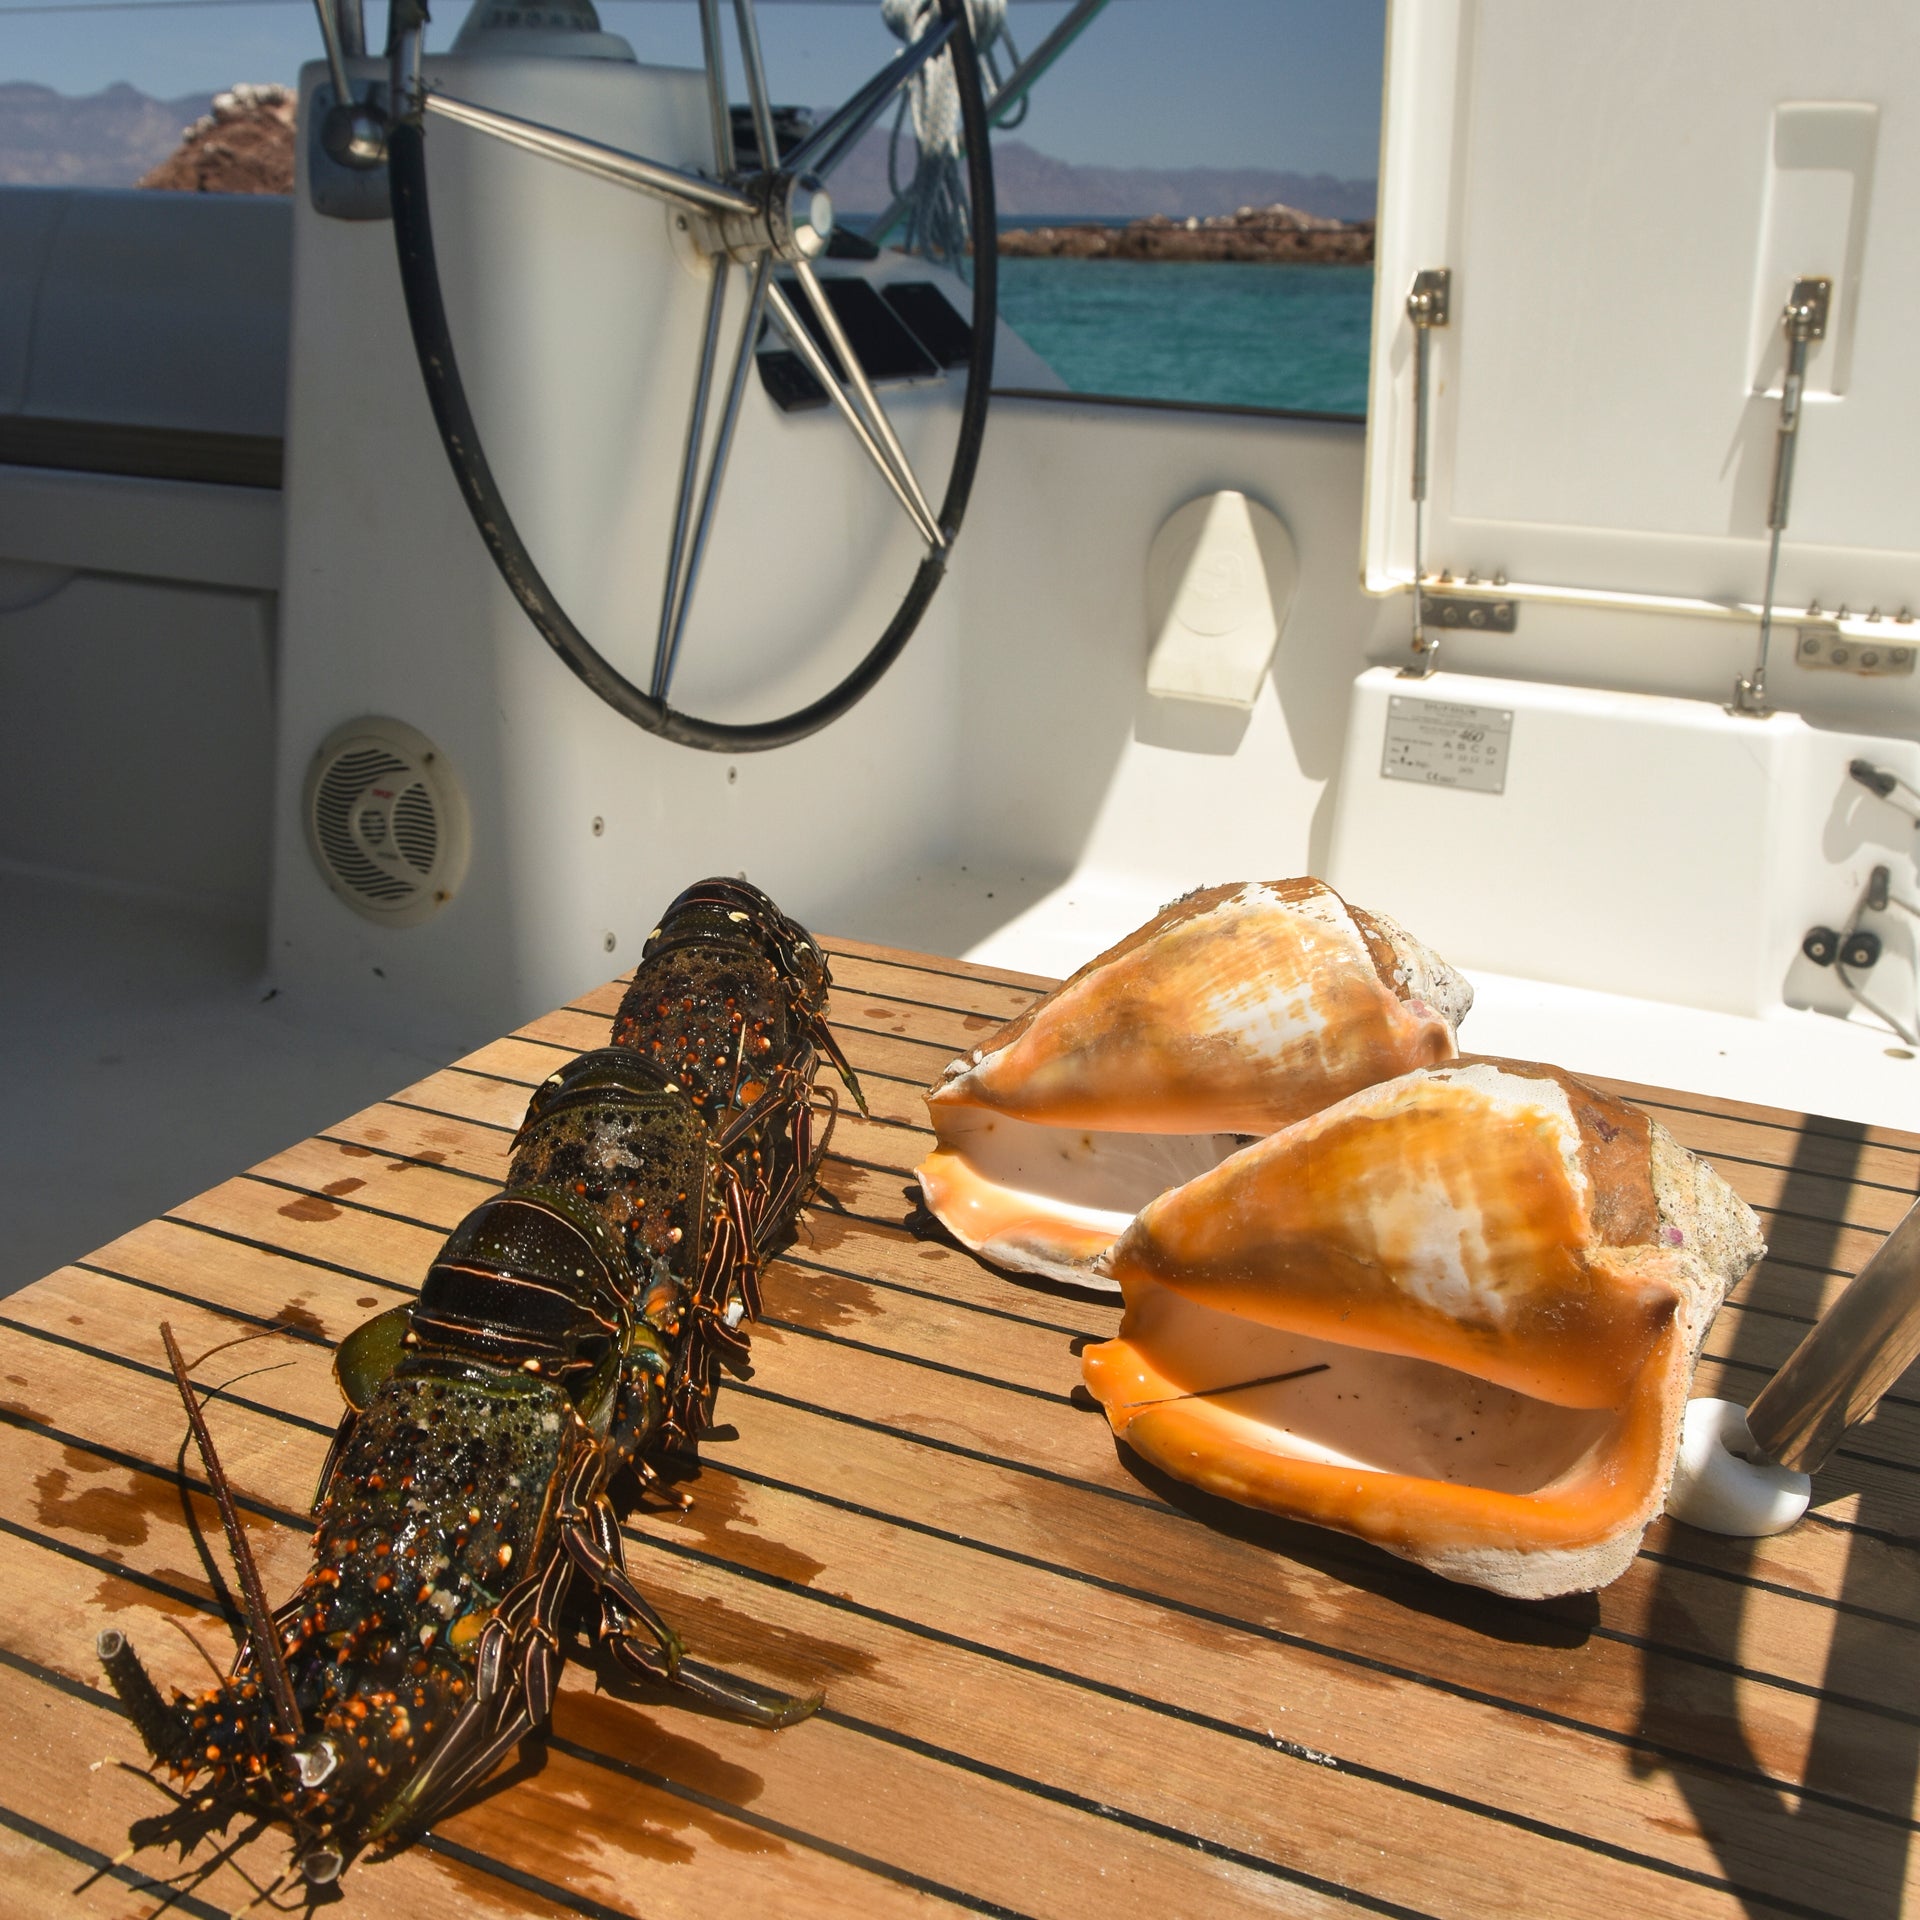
{"x": 1234, "y": 1011}
{"x": 1456, "y": 1314}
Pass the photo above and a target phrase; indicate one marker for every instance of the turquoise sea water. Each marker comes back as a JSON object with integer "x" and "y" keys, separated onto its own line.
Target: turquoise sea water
{"x": 1262, "y": 336}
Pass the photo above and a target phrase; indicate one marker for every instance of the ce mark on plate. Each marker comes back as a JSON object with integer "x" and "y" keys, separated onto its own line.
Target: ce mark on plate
{"x": 1436, "y": 743}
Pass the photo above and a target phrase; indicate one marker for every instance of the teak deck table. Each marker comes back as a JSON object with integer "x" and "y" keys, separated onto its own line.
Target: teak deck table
{"x": 1056, "y": 1684}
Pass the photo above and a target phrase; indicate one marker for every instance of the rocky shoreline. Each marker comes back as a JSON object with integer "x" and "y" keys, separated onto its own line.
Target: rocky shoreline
{"x": 1269, "y": 234}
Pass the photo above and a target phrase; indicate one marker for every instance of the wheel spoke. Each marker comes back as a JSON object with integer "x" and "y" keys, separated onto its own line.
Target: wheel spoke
{"x": 716, "y": 472}
{"x": 835, "y": 137}
{"x": 689, "y": 476}
{"x": 717, "y": 103}
{"x": 757, "y": 85}
{"x": 817, "y": 363}
{"x": 679, "y": 189}
{"x": 869, "y": 400}
{"x": 335, "y": 50}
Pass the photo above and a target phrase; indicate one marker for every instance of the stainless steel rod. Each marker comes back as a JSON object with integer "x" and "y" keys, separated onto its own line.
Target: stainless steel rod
{"x": 689, "y": 475}
{"x": 817, "y": 363}
{"x": 1835, "y": 1377}
{"x": 589, "y": 156}
{"x": 869, "y": 400}
{"x": 336, "y": 52}
{"x": 718, "y": 106}
{"x": 833, "y": 139}
{"x": 757, "y": 97}
{"x": 1019, "y": 82}
{"x": 717, "y": 464}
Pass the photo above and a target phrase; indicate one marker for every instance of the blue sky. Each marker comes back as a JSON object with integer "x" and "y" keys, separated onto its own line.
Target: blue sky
{"x": 1255, "y": 83}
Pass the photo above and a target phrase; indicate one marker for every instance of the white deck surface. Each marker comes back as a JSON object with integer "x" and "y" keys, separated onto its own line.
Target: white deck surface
{"x": 142, "y": 1063}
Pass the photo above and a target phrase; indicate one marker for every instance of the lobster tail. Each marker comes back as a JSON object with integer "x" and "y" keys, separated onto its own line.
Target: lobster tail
{"x": 164, "y": 1729}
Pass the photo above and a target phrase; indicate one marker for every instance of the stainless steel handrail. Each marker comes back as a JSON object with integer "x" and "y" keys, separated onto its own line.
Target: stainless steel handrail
{"x": 1836, "y": 1376}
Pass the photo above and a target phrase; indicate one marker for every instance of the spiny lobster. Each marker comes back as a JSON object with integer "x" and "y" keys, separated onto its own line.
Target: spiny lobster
{"x": 571, "y": 1326}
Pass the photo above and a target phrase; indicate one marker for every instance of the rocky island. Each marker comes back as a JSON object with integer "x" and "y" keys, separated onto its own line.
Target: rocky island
{"x": 1275, "y": 233}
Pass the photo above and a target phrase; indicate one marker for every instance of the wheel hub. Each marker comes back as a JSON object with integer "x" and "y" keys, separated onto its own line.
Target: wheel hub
{"x": 792, "y": 218}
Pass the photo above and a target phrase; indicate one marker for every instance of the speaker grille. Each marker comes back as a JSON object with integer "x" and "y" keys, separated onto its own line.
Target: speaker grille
{"x": 386, "y": 821}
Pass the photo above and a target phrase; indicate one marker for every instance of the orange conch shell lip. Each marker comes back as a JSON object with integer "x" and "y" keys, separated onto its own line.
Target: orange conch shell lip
{"x": 1456, "y": 1314}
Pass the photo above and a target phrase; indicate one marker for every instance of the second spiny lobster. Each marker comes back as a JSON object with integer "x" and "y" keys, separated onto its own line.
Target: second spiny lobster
{"x": 572, "y": 1326}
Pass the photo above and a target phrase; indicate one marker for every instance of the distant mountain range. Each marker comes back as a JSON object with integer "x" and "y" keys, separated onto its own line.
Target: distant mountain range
{"x": 110, "y": 139}
{"x": 1030, "y": 184}
{"x": 95, "y": 140}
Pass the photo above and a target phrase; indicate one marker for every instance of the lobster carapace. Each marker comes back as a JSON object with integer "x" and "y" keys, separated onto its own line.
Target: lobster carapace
{"x": 573, "y": 1325}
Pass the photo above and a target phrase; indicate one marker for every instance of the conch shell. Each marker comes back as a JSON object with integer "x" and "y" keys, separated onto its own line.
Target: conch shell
{"x": 1456, "y": 1314}
{"x": 1234, "y": 1011}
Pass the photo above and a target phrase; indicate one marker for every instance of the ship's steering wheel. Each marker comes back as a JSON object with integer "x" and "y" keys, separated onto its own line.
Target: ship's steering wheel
{"x": 776, "y": 213}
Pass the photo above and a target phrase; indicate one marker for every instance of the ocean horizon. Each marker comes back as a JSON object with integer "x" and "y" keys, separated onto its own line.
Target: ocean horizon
{"x": 1290, "y": 336}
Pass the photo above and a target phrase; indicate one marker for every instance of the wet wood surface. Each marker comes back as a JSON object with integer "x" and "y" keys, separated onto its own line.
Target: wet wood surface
{"x": 1053, "y": 1678}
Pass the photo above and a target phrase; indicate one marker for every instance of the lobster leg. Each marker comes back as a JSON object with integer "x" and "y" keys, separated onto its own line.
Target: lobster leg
{"x": 514, "y": 1675}
{"x": 657, "y": 1656}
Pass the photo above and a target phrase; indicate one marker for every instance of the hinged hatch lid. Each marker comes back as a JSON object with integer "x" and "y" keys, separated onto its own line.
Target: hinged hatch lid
{"x": 1623, "y": 197}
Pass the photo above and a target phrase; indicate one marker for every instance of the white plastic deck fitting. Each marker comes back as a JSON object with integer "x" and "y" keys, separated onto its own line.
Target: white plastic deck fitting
{"x": 1718, "y": 1489}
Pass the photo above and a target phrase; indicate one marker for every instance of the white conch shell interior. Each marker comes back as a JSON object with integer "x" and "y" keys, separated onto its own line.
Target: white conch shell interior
{"x": 1015, "y": 1192}
{"x": 1378, "y": 1412}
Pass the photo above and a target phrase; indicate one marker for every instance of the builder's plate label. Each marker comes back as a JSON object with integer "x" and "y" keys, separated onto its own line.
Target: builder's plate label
{"x": 1440, "y": 744}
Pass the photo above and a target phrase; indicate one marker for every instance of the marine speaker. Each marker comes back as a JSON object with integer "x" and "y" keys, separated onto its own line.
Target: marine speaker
{"x": 387, "y": 821}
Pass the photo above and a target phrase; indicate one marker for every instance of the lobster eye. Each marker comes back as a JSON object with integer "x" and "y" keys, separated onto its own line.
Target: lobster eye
{"x": 322, "y": 1866}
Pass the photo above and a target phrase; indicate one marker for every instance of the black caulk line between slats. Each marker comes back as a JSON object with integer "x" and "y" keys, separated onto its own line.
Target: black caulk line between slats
{"x": 1617, "y": 1635}
{"x": 1095, "y": 1488}
{"x": 392, "y": 1155}
{"x": 1347, "y": 1657}
{"x": 273, "y": 1247}
{"x": 429, "y": 1842}
{"x": 299, "y": 1524}
{"x": 1138, "y": 1823}
{"x": 931, "y": 1366}
{"x": 1820, "y": 1126}
{"x": 1707, "y": 1570}
{"x": 939, "y": 1753}
{"x": 764, "y": 1823}
{"x": 580, "y": 1903}
{"x": 960, "y": 970}
{"x": 350, "y": 1205}
{"x": 1801, "y": 1126}
{"x": 264, "y": 1322}
{"x": 1232, "y": 1730}
{"x": 787, "y": 1257}
{"x": 172, "y": 1900}
{"x": 1770, "y": 1212}
{"x": 1730, "y": 1365}
{"x": 852, "y": 988}
{"x": 445, "y": 1113}
{"x": 225, "y": 1394}
{"x": 170, "y": 1476}
{"x": 1608, "y": 1736}
{"x": 108, "y": 1703}
{"x": 1721, "y": 1158}
{"x": 116, "y": 1570}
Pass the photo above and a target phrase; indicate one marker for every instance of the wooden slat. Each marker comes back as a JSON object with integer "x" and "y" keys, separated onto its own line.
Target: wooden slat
{"x": 1048, "y": 1668}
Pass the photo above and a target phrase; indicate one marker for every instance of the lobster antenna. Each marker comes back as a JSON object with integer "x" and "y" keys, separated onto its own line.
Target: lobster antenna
{"x": 266, "y": 1643}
